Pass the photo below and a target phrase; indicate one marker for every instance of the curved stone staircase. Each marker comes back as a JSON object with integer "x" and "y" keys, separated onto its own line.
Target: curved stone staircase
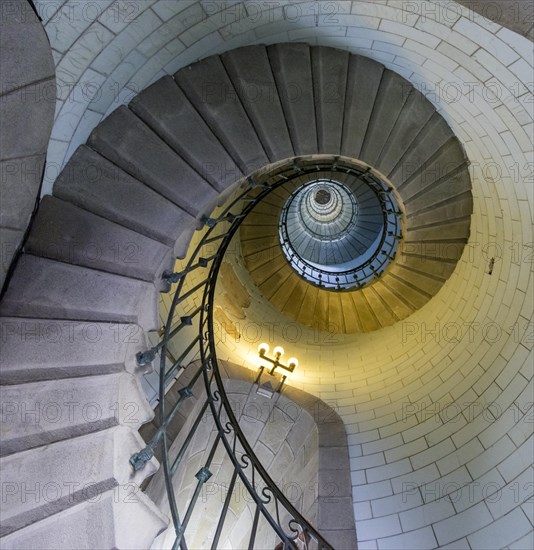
{"x": 85, "y": 291}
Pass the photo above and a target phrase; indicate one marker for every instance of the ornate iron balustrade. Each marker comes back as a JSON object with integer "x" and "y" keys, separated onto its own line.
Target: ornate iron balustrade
{"x": 268, "y": 500}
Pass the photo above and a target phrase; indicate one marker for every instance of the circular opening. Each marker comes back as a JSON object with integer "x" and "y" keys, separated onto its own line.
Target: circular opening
{"x": 322, "y": 196}
{"x": 338, "y": 232}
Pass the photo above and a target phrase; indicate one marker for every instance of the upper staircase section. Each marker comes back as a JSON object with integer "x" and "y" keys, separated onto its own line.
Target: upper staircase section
{"x": 27, "y": 105}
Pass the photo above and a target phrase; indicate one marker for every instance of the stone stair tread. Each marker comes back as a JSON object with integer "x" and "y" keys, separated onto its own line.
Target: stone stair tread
{"x": 454, "y": 231}
{"x": 250, "y": 71}
{"x": 336, "y": 319}
{"x": 306, "y": 307}
{"x": 55, "y": 349}
{"x": 350, "y": 316}
{"x": 280, "y": 298}
{"x": 412, "y": 297}
{"x": 363, "y": 81}
{"x": 390, "y": 100}
{"x": 381, "y": 310}
{"x": 128, "y": 142}
{"x": 46, "y": 288}
{"x": 165, "y": 108}
{"x": 399, "y": 308}
{"x": 425, "y": 283}
{"x": 414, "y": 115}
{"x": 99, "y": 186}
{"x": 78, "y": 469}
{"x": 449, "y": 187}
{"x": 40, "y": 413}
{"x": 431, "y": 138}
{"x": 126, "y": 520}
{"x": 462, "y": 207}
{"x": 222, "y": 110}
{"x": 291, "y": 64}
{"x": 446, "y": 160}
{"x": 365, "y": 314}
{"x": 67, "y": 233}
{"x": 330, "y": 70}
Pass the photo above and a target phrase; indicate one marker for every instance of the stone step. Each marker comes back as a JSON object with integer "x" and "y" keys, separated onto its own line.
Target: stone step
{"x": 44, "y": 481}
{"x": 281, "y": 297}
{"x": 440, "y": 270}
{"x": 459, "y": 207}
{"x": 291, "y": 65}
{"x": 306, "y": 308}
{"x": 399, "y": 308}
{"x": 362, "y": 309}
{"x": 413, "y": 117}
{"x": 363, "y": 81}
{"x": 383, "y": 312}
{"x": 432, "y": 137}
{"x": 330, "y": 70}
{"x": 412, "y": 296}
{"x": 209, "y": 88}
{"x": 122, "y": 518}
{"x": 390, "y": 100}
{"x": 336, "y": 319}
{"x": 250, "y": 71}
{"x": 164, "y": 107}
{"x": 40, "y": 413}
{"x": 67, "y": 233}
{"x": 49, "y": 349}
{"x": 451, "y": 187}
{"x": 94, "y": 183}
{"x": 49, "y": 289}
{"x": 128, "y": 142}
{"x": 350, "y": 315}
{"x": 455, "y": 231}
{"x": 425, "y": 283}
{"x": 442, "y": 164}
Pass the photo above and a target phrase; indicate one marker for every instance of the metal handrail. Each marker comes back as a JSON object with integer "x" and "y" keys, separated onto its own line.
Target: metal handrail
{"x": 286, "y": 521}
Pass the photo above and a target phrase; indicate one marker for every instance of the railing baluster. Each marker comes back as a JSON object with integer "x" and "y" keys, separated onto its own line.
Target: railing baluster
{"x": 224, "y": 510}
{"x": 254, "y": 529}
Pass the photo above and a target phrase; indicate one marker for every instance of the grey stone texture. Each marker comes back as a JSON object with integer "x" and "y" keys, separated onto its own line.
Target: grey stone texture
{"x": 165, "y": 108}
{"x": 129, "y": 143}
{"x": 27, "y": 105}
{"x": 250, "y": 72}
{"x": 292, "y": 68}
{"x": 210, "y": 90}
{"x": 46, "y": 288}
{"x": 67, "y": 233}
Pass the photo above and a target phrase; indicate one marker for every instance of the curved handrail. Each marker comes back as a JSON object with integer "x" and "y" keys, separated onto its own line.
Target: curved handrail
{"x": 285, "y": 521}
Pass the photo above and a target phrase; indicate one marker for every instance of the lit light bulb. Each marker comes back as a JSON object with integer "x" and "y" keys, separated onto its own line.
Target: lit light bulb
{"x": 278, "y": 351}
{"x": 263, "y": 348}
{"x": 293, "y": 363}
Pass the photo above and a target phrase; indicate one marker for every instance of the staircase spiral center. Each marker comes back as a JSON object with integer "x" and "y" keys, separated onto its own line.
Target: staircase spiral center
{"x": 340, "y": 231}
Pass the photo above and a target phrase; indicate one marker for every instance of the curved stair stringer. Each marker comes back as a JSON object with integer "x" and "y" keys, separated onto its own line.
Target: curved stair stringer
{"x": 85, "y": 292}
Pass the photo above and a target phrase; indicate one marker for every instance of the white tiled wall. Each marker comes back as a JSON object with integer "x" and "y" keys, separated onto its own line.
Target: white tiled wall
{"x": 440, "y": 427}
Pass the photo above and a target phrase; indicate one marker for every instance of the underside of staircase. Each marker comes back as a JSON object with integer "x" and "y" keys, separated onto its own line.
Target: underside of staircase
{"x": 86, "y": 289}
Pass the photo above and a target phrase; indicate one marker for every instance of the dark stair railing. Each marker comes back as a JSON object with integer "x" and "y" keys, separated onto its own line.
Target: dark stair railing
{"x": 268, "y": 500}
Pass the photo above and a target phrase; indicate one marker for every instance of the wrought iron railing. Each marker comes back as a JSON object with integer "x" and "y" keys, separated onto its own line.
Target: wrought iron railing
{"x": 269, "y": 503}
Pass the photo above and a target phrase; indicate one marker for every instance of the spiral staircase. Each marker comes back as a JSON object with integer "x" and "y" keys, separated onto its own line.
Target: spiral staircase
{"x": 85, "y": 290}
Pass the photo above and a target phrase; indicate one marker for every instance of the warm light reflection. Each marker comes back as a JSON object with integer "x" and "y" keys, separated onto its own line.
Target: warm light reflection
{"x": 263, "y": 348}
